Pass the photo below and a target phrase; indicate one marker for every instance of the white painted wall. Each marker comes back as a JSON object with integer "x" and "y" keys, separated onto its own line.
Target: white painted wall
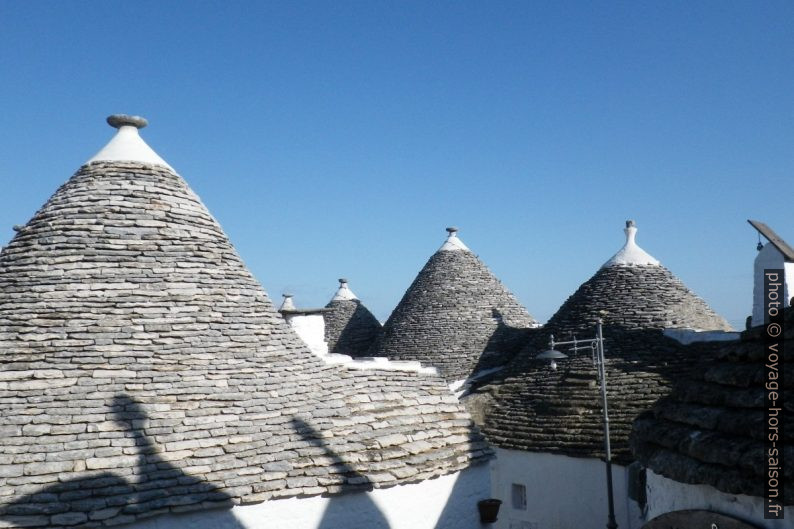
{"x": 311, "y": 329}
{"x": 666, "y": 495}
{"x": 688, "y": 336}
{"x": 447, "y": 502}
{"x": 562, "y": 492}
{"x": 770, "y": 257}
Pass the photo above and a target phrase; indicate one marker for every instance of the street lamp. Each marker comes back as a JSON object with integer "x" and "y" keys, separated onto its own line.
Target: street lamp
{"x": 596, "y": 345}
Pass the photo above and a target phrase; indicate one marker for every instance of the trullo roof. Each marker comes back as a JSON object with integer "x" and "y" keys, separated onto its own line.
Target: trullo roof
{"x": 713, "y": 428}
{"x": 456, "y": 316}
{"x": 144, "y": 370}
{"x": 536, "y": 408}
{"x": 350, "y": 328}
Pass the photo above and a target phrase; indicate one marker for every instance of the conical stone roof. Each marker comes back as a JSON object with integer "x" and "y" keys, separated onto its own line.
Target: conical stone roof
{"x": 537, "y": 408}
{"x": 132, "y": 334}
{"x": 350, "y": 328}
{"x": 634, "y": 291}
{"x": 456, "y": 316}
{"x": 712, "y": 429}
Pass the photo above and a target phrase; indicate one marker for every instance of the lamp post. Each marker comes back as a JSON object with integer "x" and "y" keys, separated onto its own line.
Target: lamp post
{"x": 596, "y": 345}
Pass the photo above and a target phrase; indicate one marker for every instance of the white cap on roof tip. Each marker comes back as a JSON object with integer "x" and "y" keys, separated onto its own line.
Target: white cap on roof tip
{"x": 631, "y": 254}
{"x": 127, "y": 145}
{"x": 452, "y": 243}
{"x": 287, "y": 304}
{"x": 344, "y": 292}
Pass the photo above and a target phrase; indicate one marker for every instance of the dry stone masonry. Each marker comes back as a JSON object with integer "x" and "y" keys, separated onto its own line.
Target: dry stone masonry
{"x": 712, "y": 428}
{"x": 456, "y": 316}
{"x": 143, "y": 370}
{"x": 537, "y": 408}
{"x": 350, "y": 328}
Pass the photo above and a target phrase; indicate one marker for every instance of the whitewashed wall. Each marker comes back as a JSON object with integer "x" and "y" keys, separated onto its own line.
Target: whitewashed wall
{"x": 561, "y": 492}
{"x": 769, "y": 257}
{"x": 688, "y": 336}
{"x": 666, "y": 495}
{"x": 447, "y": 502}
{"x": 311, "y": 329}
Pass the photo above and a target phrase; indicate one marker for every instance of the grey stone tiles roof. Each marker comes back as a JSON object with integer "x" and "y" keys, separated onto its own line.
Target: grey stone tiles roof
{"x": 456, "y": 316}
{"x": 712, "y": 427}
{"x": 350, "y": 328}
{"x": 636, "y": 297}
{"x": 532, "y": 407}
{"x": 143, "y": 370}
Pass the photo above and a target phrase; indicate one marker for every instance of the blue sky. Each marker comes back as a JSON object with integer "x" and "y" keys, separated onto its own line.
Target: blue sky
{"x": 337, "y": 139}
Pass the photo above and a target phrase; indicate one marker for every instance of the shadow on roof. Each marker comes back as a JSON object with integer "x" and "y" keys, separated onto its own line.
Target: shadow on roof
{"x": 150, "y": 484}
{"x": 338, "y": 512}
{"x": 358, "y": 334}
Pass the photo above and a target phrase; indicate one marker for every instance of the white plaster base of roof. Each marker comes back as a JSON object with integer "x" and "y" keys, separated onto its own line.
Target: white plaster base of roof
{"x": 561, "y": 492}
{"x": 770, "y": 258}
{"x": 383, "y": 363}
{"x": 688, "y": 336}
{"x": 446, "y": 502}
{"x": 631, "y": 254}
{"x": 453, "y": 244}
{"x": 461, "y": 387}
{"x": 343, "y": 293}
{"x": 310, "y": 328}
{"x": 128, "y": 146}
{"x": 667, "y": 495}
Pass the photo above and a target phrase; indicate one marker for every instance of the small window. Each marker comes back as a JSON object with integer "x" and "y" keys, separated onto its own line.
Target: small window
{"x": 519, "y": 494}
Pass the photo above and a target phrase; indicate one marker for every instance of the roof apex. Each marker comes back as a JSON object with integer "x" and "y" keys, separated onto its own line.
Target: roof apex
{"x": 453, "y": 243}
{"x": 631, "y": 254}
{"x": 127, "y": 145}
{"x": 343, "y": 293}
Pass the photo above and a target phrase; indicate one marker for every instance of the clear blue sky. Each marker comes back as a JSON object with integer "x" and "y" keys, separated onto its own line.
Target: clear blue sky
{"x": 339, "y": 139}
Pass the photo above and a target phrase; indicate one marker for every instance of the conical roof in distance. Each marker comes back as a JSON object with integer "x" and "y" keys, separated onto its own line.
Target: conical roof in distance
{"x": 633, "y": 290}
{"x": 350, "y": 328}
{"x": 537, "y": 408}
{"x": 456, "y": 316}
{"x": 131, "y": 334}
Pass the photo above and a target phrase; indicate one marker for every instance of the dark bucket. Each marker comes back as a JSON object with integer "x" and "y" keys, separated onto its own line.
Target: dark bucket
{"x": 489, "y": 510}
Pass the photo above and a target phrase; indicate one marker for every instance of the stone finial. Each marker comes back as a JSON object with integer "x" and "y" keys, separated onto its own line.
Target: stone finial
{"x": 631, "y": 253}
{"x": 127, "y": 145}
{"x": 631, "y": 231}
{"x": 343, "y": 293}
{"x": 119, "y": 120}
{"x": 287, "y": 304}
{"x": 453, "y": 243}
